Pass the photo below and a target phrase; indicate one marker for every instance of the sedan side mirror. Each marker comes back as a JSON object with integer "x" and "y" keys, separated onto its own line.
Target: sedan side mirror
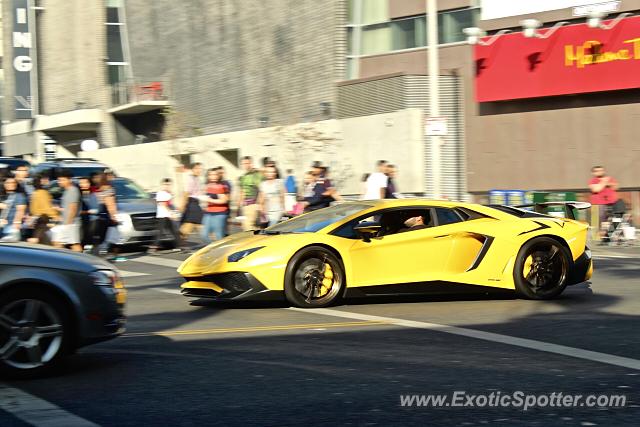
{"x": 368, "y": 229}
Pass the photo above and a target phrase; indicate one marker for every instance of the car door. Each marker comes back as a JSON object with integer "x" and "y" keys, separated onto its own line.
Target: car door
{"x": 418, "y": 255}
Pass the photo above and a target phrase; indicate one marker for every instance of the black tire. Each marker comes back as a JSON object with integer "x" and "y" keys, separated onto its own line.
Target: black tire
{"x": 50, "y": 327}
{"x": 308, "y": 275}
{"x": 542, "y": 269}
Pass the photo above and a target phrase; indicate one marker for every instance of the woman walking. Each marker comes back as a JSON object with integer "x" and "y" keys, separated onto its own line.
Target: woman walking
{"x": 271, "y": 196}
{"x": 42, "y": 212}
{"x": 107, "y": 211}
{"x": 14, "y": 208}
{"x": 215, "y": 217}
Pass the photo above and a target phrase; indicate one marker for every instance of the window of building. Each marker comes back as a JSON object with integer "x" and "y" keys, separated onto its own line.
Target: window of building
{"x": 374, "y": 11}
{"x": 451, "y": 24}
{"x": 115, "y": 52}
{"x": 376, "y": 39}
{"x": 408, "y": 33}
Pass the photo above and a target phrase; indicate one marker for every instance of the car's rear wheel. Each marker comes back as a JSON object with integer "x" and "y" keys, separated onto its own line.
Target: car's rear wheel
{"x": 34, "y": 333}
{"x": 314, "y": 278}
{"x": 542, "y": 268}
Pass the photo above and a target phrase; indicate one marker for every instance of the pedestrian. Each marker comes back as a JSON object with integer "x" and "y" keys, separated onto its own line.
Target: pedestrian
{"x": 272, "y": 163}
{"x": 226, "y": 182}
{"x": 217, "y": 211}
{"x": 391, "y": 191}
{"x": 322, "y": 179}
{"x": 271, "y": 196}
{"x": 249, "y": 184}
{"x": 42, "y": 212}
{"x": 165, "y": 214}
{"x": 22, "y": 177}
{"x": 603, "y": 193}
{"x": 291, "y": 192}
{"x": 193, "y": 194}
{"x": 89, "y": 212}
{"x": 14, "y": 209}
{"x": 314, "y": 198}
{"x": 67, "y": 233}
{"x": 377, "y": 182}
{"x": 107, "y": 212}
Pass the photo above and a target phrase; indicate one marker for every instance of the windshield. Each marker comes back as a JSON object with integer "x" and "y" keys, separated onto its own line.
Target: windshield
{"x": 128, "y": 190}
{"x": 316, "y": 220}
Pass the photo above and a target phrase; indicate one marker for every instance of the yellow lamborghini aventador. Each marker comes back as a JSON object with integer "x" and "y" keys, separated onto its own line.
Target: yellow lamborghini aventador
{"x": 395, "y": 246}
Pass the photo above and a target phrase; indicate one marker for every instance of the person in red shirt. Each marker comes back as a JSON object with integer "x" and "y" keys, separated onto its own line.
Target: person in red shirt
{"x": 603, "y": 191}
{"x": 217, "y": 212}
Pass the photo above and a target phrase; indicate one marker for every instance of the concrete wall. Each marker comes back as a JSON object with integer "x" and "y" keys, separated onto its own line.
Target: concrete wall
{"x": 231, "y": 63}
{"x": 350, "y": 147}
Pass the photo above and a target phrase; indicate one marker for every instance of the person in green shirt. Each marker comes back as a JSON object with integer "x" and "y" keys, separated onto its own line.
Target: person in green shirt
{"x": 248, "y": 188}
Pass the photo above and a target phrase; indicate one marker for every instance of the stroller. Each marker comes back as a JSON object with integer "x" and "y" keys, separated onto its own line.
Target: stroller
{"x": 618, "y": 228}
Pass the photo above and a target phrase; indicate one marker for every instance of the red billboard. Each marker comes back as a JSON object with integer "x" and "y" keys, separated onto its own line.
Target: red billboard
{"x": 574, "y": 59}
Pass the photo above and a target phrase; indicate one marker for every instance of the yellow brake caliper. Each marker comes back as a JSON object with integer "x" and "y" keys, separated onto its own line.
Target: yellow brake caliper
{"x": 526, "y": 269}
{"x": 327, "y": 281}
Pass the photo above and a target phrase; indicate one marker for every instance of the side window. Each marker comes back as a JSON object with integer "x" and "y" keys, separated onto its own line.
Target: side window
{"x": 447, "y": 216}
{"x": 347, "y": 230}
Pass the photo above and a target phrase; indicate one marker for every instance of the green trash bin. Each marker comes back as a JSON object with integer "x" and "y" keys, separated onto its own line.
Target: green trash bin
{"x": 541, "y": 197}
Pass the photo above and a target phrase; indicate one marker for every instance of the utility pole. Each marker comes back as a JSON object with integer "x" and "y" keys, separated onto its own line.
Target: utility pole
{"x": 434, "y": 89}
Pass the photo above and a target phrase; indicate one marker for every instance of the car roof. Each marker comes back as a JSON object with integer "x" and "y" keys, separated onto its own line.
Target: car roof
{"x": 419, "y": 202}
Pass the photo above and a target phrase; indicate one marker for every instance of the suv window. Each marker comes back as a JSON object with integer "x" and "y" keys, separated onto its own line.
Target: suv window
{"x": 447, "y": 216}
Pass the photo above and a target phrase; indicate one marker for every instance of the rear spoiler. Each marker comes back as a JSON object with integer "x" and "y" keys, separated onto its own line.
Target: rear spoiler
{"x": 568, "y": 206}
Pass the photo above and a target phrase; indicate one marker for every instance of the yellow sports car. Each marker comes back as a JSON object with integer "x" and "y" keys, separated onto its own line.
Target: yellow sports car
{"x": 399, "y": 246}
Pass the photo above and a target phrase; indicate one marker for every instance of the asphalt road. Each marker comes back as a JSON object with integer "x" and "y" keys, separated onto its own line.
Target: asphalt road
{"x": 185, "y": 363}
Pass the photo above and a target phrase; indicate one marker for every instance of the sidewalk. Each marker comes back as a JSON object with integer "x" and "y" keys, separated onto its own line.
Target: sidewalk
{"x": 616, "y": 251}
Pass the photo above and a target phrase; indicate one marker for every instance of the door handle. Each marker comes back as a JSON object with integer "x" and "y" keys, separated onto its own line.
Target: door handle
{"x": 444, "y": 235}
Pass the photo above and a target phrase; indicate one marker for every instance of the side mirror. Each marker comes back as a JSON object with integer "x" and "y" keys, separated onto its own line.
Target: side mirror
{"x": 367, "y": 229}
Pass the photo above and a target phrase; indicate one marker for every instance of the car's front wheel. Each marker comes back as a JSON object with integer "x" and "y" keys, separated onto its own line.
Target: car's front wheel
{"x": 34, "y": 333}
{"x": 314, "y": 278}
{"x": 542, "y": 268}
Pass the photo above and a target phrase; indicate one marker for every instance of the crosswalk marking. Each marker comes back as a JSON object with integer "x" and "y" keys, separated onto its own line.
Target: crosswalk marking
{"x": 124, "y": 273}
{"x": 37, "y": 412}
{"x": 162, "y": 262}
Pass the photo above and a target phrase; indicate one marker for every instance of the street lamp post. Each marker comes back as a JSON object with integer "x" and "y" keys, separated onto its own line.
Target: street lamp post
{"x": 434, "y": 88}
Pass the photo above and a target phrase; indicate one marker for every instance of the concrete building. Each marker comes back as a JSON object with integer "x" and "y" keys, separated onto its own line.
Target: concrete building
{"x": 213, "y": 80}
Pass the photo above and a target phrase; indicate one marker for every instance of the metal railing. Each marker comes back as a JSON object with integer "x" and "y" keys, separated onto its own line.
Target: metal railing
{"x": 139, "y": 90}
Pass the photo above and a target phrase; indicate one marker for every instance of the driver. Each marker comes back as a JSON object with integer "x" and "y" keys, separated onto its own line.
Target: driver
{"x": 414, "y": 223}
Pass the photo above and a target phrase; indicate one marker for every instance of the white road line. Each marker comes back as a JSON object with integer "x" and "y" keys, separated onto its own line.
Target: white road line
{"x": 610, "y": 359}
{"x": 162, "y": 262}
{"x": 613, "y": 256}
{"x": 168, "y": 291}
{"x": 125, "y": 273}
{"x": 37, "y": 412}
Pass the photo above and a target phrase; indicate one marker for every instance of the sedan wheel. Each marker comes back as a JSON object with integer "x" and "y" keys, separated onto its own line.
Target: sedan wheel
{"x": 32, "y": 334}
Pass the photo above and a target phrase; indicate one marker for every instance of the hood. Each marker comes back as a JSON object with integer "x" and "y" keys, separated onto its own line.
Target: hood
{"x": 208, "y": 257}
{"x": 134, "y": 206}
{"x": 29, "y": 255}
